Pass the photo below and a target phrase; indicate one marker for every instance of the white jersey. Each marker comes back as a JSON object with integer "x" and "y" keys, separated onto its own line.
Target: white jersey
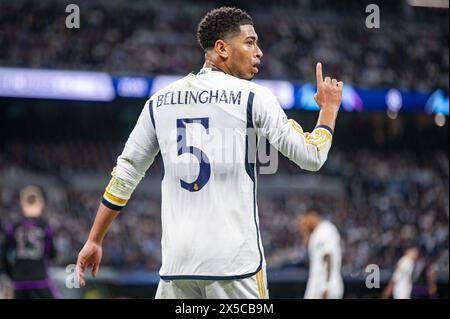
{"x": 210, "y": 226}
{"x": 324, "y": 240}
{"x": 402, "y": 278}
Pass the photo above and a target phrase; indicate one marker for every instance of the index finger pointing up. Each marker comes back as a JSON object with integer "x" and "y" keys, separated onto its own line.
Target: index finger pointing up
{"x": 319, "y": 76}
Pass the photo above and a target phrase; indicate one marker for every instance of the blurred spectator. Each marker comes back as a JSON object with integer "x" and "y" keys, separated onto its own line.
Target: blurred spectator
{"x": 409, "y": 51}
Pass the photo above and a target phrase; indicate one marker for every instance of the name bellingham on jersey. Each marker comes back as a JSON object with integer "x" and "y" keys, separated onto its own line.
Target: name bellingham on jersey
{"x": 199, "y": 97}
{"x": 209, "y": 212}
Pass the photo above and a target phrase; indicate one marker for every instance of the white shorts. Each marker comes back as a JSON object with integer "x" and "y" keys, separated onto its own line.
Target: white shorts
{"x": 254, "y": 287}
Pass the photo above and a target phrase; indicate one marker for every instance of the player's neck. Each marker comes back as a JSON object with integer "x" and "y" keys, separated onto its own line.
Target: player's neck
{"x": 214, "y": 66}
{"x": 212, "y": 62}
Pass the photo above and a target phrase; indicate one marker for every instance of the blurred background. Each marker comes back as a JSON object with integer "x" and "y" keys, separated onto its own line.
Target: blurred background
{"x": 70, "y": 97}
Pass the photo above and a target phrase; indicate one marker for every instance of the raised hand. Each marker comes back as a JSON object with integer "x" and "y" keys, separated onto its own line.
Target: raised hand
{"x": 329, "y": 91}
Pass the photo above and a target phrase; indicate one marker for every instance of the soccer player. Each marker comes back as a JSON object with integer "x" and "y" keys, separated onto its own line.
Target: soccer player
{"x": 325, "y": 257}
{"x": 414, "y": 277}
{"x": 27, "y": 249}
{"x": 211, "y": 244}
{"x": 401, "y": 283}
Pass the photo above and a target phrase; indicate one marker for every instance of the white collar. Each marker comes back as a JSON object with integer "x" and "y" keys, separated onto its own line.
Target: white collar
{"x": 209, "y": 70}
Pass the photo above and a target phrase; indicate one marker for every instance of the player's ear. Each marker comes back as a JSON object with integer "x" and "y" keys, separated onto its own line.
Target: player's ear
{"x": 221, "y": 48}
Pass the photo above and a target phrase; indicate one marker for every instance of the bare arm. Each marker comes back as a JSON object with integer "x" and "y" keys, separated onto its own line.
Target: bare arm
{"x": 387, "y": 292}
{"x": 91, "y": 254}
{"x": 432, "y": 281}
{"x": 105, "y": 216}
{"x": 327, "y": 261}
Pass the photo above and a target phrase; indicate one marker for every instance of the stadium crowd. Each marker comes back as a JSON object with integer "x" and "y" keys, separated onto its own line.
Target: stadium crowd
{"x": 146, "y": 37}
{"x": 391, "y": 200}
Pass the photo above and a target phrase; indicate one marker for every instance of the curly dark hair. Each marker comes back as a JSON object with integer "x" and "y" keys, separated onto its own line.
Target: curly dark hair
{"x": 219, "y": 23}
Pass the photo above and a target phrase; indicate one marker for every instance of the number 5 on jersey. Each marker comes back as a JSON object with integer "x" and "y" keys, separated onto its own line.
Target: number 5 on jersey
{"x": 205, "y": 167}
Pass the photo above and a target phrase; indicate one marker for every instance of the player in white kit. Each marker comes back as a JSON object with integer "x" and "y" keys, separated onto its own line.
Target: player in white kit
{"x": 401, "y": 284}
{"x": 325, "y": 256}
{"x": 211, "y": 244}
